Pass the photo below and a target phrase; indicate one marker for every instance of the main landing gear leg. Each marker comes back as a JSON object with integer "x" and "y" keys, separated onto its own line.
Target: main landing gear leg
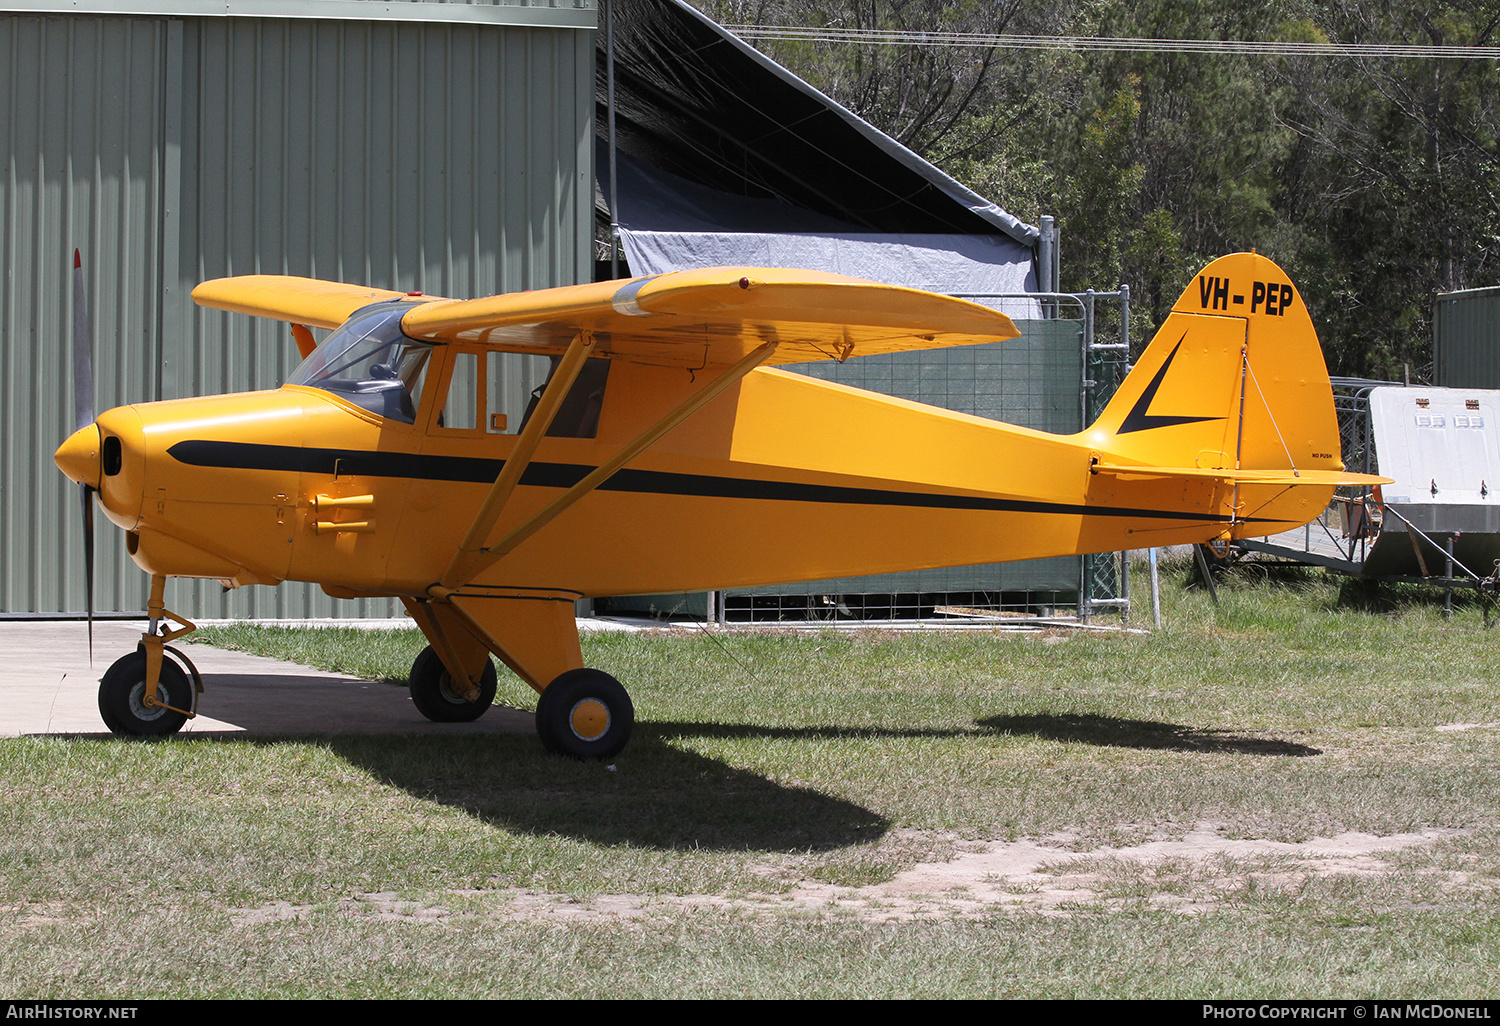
{"x": 452, "y": 680}
{"x": 144, "y": 692}
{"x": 582, "y": 713}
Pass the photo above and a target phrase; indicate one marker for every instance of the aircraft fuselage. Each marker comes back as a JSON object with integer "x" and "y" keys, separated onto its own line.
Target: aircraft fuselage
{"x": 782, "y": 478}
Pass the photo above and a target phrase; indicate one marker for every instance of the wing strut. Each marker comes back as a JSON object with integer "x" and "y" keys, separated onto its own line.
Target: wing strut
{"x": 486, "y": 558}
{"x": 460, "y": 570}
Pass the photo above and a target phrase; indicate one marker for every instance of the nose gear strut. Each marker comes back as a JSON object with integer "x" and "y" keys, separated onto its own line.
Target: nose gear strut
{"x": 144, "y": 692}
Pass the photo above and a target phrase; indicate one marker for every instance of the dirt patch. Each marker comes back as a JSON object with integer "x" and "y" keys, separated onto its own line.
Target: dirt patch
{"x": 1196, "y": 873}
{"x": 1188, "y": 875}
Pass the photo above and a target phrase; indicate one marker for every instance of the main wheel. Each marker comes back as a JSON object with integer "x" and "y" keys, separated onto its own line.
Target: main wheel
{"x": 585, "y": 714}
{"x": 122, "y": 697}
{"x": 433, "y": 694}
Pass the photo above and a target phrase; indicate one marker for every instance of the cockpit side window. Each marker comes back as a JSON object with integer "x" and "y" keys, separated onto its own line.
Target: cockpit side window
{"x": 486, "y": 391}
{"x": 465, "y": 394}
{"x": 369, "y": 362}
{"x": 578, "y": 416}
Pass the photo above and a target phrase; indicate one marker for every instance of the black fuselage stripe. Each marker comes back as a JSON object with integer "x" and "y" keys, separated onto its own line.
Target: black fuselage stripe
{"x": 474, "y": 470}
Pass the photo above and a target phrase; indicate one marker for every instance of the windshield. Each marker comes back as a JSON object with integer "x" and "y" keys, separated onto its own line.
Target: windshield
{"x": 371, "y": 363}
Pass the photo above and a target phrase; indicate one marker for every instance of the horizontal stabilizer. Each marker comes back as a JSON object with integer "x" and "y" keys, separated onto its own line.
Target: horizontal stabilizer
{"x": 1336, "y": 478}
{"x": 319, "y": 304}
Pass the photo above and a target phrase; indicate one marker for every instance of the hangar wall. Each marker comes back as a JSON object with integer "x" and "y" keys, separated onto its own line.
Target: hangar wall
{"x": 445, "y": 147}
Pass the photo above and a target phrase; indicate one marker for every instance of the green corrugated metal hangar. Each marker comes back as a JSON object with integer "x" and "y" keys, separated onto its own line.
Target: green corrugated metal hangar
{"x": 433, "y": 146}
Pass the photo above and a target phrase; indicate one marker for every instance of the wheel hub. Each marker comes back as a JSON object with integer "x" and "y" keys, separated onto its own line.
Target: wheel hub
{"x": 138, "y": 705}
{"x": 589, "y": 719}
{"x": 448, "y": 691}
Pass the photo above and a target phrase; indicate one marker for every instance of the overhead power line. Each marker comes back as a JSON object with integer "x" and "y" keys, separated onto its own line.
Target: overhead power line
{"x": 1110, "y": 43}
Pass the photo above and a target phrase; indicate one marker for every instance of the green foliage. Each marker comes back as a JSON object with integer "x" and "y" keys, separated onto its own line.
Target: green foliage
{"x": 1374, "y": 181}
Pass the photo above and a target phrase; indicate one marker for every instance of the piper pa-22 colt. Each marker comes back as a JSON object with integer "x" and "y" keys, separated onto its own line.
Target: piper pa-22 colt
{"x": 666, "y": 454}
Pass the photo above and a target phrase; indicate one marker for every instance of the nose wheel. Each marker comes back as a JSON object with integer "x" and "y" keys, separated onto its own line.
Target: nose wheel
{"x": 585, "y": 714}
{"x": 128, "y": 703}
{"x": 123, "y": 704}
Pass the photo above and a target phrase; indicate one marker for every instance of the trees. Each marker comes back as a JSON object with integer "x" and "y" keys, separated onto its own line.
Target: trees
{"x": 1397, "y": 194}
{"x": 931, "y": 99}
{"x": 1374, "y": 181}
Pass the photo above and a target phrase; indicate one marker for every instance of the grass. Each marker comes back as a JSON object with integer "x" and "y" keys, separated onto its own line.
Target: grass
{"x": 775, "y": 782}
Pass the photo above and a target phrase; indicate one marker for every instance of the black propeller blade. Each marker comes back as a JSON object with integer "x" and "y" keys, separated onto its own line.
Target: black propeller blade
{"x": 88, "y": 561}
{"x": 83, "y": 410}
{"x": 83, "y": 349}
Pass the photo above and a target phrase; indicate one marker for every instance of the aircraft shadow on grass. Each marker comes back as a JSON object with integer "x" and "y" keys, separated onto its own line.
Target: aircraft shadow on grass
{"x": 661, "y": 797}
{"x": 1112, "y": 731}
{"x": 665, "y": 798}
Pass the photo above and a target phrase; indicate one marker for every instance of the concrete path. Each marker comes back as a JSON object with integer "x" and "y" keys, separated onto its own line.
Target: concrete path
{"x": 48, "y": 687}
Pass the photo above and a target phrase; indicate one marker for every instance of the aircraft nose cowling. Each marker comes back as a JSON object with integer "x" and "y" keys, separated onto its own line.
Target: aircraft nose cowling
{"x": 78, "y": 456}
{"x": 122, "y": 448}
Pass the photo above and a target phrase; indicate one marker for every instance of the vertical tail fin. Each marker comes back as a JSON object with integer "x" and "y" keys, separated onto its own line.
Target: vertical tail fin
{"x": 1233, "y": 381}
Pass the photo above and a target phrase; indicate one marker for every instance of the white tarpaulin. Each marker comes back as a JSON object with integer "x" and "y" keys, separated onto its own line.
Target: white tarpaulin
{"x": 953, "y": 264}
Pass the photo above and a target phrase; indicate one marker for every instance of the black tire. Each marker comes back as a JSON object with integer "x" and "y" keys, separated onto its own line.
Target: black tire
{"x": 585, "y": 714}
{"x": 122, "y": 692}
{"x": 433, "y": 695}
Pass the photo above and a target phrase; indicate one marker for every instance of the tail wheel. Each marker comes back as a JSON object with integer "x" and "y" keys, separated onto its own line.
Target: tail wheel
{"x": 435, "y": 697}
{"x": 585, "y": 714}
{"x": 122, "y": 697}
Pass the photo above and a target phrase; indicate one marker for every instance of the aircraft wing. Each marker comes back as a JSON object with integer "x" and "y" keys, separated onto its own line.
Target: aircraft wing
{"x": 1284, "y": 476}
{"x": 716, "y": 316}
{"x": 319, "y": 304}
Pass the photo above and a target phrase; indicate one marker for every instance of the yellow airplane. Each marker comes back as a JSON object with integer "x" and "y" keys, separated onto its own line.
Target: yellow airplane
{"x": 666, "y": 454}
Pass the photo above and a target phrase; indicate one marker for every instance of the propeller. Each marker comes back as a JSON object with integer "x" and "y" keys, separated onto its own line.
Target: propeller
{"x": 83, "y": 410}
